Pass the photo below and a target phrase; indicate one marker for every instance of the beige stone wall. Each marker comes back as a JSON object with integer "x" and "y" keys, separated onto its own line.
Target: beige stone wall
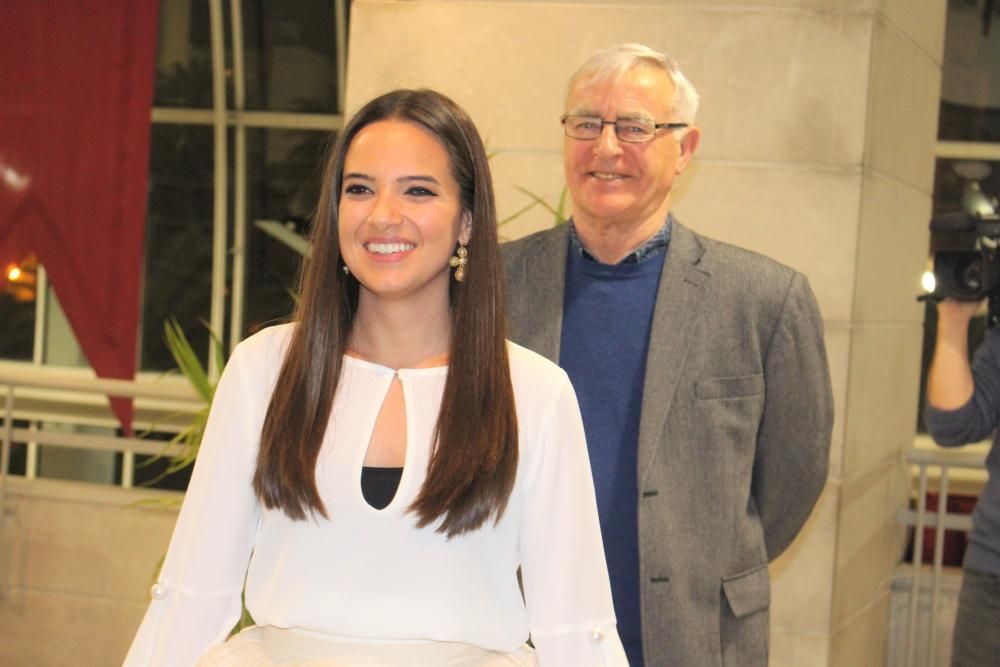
{"x": 885, "y": 326}
{"x": 819, "y": 120}
{"x": 75, "y": 575}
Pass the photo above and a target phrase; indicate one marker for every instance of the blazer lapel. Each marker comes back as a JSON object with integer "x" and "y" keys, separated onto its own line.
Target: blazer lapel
{"x": 542, "y": 285}
{"x": 679, "y": 298}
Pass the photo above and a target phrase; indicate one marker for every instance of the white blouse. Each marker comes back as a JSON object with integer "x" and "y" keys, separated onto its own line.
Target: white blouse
{"x": 372, "y": 574}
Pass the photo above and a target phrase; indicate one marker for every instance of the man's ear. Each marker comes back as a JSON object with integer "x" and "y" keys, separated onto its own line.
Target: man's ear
{"x": 465, "y": 232}
{"x": 688, "y": 144}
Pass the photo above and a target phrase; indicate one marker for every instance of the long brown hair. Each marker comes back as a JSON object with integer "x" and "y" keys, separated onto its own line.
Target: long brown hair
{"x": 474, "y": 461}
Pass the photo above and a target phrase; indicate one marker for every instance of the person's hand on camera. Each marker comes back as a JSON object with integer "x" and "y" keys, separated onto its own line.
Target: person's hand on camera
{"x": 955, "y": 312}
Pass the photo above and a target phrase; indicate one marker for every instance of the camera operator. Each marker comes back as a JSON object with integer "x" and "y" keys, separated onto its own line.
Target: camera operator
{"x": 963, "y": 406}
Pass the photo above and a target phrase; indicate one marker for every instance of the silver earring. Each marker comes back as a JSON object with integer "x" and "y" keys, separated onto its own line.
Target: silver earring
{"x": 346, "y": 270}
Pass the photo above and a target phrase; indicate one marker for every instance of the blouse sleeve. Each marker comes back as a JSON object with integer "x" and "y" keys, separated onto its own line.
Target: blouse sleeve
{"x": 565, "y": 577}
{"x": 197, "y": 598}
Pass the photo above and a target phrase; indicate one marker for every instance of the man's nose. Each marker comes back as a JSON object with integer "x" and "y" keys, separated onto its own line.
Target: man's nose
{"x": 607, "y": 143}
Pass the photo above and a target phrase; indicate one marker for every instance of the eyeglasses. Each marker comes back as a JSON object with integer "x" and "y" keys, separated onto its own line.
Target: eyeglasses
{"x": 631, "y": 130}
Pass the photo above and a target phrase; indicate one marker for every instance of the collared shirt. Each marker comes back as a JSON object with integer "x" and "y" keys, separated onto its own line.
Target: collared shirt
{"x": 654, "y": 245}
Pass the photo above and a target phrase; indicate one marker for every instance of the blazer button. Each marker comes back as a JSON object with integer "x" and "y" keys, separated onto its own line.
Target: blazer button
{"x": 158, "y": 591}
{"x": 597, "y": 635}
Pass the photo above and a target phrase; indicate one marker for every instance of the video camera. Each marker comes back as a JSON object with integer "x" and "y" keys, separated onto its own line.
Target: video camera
{"x": 967, "y": 258}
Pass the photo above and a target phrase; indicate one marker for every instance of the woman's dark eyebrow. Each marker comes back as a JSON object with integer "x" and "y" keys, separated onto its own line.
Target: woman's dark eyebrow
{"x": 428, "y": 179}
{"x": 401, "y": 179}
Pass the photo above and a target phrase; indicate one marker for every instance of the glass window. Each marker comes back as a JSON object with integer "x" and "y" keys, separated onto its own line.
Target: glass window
{"x": 184, "y": 55}
{"x": 154, "y": 472}
{"x": 18, "y": 464}
{"x": 18, "y": 297}
{"x": 290, "y": 65}
{"x": 970, "y": 76}
{"x": 284, "y": 170}
{"x": 291, "y": 55}
{"x": 59, "y": 347}
{"x": 73, "y": 464}
{"x": 178, "y": 255}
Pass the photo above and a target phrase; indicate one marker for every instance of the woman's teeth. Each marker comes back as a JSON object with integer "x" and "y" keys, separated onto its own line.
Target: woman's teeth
{"x": 388, "y": 248}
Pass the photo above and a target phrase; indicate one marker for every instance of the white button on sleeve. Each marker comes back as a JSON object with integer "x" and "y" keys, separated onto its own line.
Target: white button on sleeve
{"x": 158, "y": 591}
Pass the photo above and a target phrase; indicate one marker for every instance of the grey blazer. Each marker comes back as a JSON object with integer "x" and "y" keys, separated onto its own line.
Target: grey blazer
{"x": 734, "y": 436}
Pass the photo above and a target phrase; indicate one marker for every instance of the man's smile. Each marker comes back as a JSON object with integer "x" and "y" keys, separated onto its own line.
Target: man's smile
{"x": 606, "y": 175}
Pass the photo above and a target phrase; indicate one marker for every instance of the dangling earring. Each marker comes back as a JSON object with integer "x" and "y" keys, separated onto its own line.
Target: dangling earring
{"x": 346, "y": 270}
{"x": 458, "y": 262}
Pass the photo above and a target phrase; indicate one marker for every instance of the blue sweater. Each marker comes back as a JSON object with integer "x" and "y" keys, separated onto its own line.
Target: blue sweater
{"x": 971, "y": 423}
{"x": 607, "y": 314}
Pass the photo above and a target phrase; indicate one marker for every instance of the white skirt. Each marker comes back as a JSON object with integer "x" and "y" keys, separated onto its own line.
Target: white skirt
{"x": 267, "y": 646}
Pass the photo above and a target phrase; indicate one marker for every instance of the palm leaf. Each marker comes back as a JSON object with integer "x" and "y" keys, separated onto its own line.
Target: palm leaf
{"x": 557, "y": 213}
{"x": 561, "y": 216}
{"x": 517, "y": 213}
{"x": 189, "y": 438}
{"x": 186, "y": 359}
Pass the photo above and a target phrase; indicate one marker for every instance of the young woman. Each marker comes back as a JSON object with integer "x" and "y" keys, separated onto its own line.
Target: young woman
{"x": 375, "y": 473}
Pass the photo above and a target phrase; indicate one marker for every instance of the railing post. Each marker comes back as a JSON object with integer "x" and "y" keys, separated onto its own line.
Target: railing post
{"x": 31, "y": 458}
{"x": 918, "y": 548}
{"x": 5, "y": 444}
{"x": 128, "y": 469}
{"x": 942, "y": 512}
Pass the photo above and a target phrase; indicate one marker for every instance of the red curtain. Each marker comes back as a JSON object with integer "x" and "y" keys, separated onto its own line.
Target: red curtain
{"x": 76, "y": 90}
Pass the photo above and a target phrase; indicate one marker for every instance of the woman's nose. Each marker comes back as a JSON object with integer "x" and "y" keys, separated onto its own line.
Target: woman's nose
{"x": 385, "y": 212}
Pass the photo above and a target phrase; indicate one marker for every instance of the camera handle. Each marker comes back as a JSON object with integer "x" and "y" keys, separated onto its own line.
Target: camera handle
{"x": 992, "y": 307}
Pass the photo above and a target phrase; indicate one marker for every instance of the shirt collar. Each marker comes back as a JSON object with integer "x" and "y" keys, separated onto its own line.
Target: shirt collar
{"x": 653, "y": 246}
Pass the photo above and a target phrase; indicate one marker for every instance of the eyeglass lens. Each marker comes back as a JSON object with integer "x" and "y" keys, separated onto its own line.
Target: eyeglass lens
{"x": 626, "y": 129}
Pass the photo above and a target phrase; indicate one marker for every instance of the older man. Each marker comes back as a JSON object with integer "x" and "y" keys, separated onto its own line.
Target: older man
{"x": 700, "y": 370}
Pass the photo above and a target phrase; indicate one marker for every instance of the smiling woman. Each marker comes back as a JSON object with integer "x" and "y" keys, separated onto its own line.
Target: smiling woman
{"x": 401, "y": 216}
{"x": 389, "y": 462}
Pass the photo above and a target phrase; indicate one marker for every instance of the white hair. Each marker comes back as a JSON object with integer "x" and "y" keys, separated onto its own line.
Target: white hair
{"x": 614, "y": 62}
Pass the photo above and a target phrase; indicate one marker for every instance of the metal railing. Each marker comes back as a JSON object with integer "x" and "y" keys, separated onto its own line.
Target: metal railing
{"x": 943, "y": 462}
{"x": 37, "y": 398}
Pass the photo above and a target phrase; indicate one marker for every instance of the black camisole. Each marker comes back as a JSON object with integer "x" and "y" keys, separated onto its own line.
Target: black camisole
{"x": 379, "y": 485}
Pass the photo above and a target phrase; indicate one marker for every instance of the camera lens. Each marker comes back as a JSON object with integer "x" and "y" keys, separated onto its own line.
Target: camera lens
{"x": 972, "y": 277}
